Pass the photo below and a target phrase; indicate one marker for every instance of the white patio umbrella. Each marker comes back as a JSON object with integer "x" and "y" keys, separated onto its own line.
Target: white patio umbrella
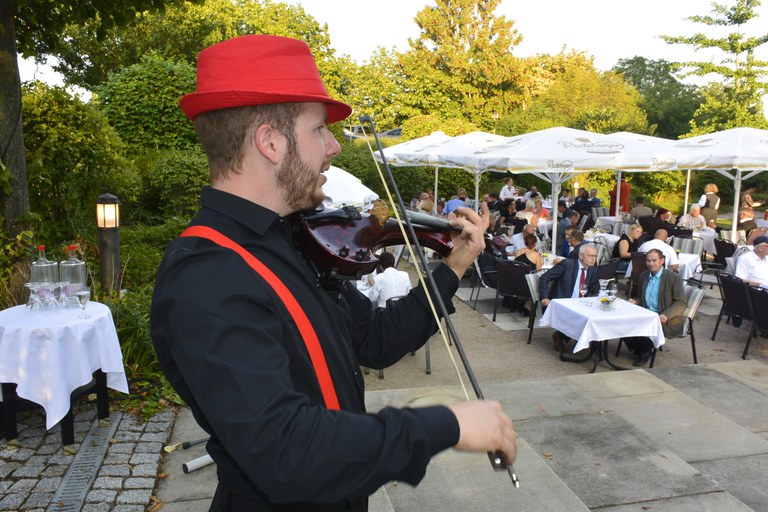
{"x": 557, "y": 154}
{"x": 554, "y": 155}
{"x": 436, "y": 150}
{"x": 656, "y": 154}
{"x": 736, "y": 151}
{"x": 342, "y": 187}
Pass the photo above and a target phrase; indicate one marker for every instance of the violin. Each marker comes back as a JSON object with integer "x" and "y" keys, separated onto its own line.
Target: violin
{"x": 341, "y": 242}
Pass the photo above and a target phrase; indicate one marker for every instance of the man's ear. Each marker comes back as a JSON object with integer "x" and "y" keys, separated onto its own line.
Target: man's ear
{"x": 268, "y": 142}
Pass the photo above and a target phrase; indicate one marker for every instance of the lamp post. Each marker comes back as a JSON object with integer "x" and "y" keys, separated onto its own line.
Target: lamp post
{"x": 495, "y": 117}
{"x": 108, "y": 221}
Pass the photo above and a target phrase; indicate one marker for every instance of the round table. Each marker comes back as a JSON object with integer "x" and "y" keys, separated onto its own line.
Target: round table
{"x": 49, "y": 354}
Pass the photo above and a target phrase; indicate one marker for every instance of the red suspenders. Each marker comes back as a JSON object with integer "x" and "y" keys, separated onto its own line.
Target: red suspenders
{"x": 297, "y": 313}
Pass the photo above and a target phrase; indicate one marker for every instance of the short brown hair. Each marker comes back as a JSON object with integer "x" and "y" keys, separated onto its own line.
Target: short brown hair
{"x": 224, "y": 133}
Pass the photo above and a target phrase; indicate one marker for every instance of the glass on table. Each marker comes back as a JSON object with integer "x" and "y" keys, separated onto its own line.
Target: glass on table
{"x": 83, "y": 296}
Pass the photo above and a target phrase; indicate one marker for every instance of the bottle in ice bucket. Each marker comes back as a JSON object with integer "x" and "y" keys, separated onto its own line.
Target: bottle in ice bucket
{"x": 72, "y": 272}
{"x": 43, "y": 269}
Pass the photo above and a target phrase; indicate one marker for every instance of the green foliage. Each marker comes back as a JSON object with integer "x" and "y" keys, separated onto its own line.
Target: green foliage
{"x": 737, "y": 101}
{"x": 669, "y": 104}
{"x": 14, "y": 266}
{"x": 181, "y": 31}
{"x": 142, "y": 247}
{"x": 461, "y": 65}
{"x": 39, "y": 23}
{"x": 142, "y": 103}
{"x": 73, "y": 156}
{"x": 421, "y": 126}
{"x": 177, "y": 179}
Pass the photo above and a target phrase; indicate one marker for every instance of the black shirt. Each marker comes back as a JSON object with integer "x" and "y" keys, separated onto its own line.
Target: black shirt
{"x": 231, "y": 350}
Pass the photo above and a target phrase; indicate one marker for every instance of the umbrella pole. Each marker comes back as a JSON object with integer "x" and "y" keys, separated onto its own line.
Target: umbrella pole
{"x": 736, "y": 197}
{"x": 477, "y": 192}
{"x": 618, "y": 194}
{"x": 555, "y": 195}
{"x": 687, "y": 190}
{"x": 436, "y": 197}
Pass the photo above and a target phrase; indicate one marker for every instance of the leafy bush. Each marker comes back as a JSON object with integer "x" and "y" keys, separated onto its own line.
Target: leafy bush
{"x": 141, "y": 103}
{"x": 177, "y": 179}
{"x": 142, "y": 249}
{"x": 73, "y": 156}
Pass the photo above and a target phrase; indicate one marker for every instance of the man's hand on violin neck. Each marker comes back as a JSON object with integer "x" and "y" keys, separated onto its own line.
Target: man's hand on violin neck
{"x": 470, "y": 242}
{"x": 484, "y": 427}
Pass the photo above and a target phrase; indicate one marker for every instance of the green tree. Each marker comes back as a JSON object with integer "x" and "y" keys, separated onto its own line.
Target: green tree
{"x": 582, "y": 97}
{"x": 179, "y": 33}
{"x": 737, "y": 101}
{"x": 73, "y": 156}
{"x": 141, "y": 103}
{"x": 33, "y": 28}
{"x": 669, "y": 103}
{"x": 461, "y": 65}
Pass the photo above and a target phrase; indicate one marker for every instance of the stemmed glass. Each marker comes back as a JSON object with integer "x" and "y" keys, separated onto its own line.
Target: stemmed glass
{"x": 83, "y": 295}
{"x": 59, "y": 294}
{"x": 33, "y": 302}
{"x": 582, "y": 290}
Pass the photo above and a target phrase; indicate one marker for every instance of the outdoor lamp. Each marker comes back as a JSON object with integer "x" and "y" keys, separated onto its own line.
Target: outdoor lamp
{"x": 108, "y": 221}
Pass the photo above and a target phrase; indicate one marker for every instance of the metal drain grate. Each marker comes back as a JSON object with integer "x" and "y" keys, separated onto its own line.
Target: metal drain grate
{"x": 81, "y": 474}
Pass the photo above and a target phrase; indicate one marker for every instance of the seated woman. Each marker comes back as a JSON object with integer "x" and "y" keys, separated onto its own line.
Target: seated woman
{"x": 627, "y": 244}
{"x": 529, "y": 254}
{"x": 528, "y": 213}
{"x": 507, "y": 211}
{"x": 538, "y": 210}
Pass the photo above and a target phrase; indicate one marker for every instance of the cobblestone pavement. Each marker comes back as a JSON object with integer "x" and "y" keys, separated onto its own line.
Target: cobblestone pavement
{"x": 36, "y": 468}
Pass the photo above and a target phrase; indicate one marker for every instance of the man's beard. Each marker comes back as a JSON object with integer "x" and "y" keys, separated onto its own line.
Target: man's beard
{"x": 297, "y": 182}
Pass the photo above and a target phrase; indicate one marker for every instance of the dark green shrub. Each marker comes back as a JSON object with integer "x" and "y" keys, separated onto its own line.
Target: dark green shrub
{"x": 177, "y": 179}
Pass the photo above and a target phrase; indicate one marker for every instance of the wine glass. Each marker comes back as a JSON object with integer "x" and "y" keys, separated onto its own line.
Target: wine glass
{"x": 582, "y": 290}
{"x": 83, "y": 295}
{"x": 59, "y": 294}
{"x": 33, "y": 301}
{"x": 612, "y": 289}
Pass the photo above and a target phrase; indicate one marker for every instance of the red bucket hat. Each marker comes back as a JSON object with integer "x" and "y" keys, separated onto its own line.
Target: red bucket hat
{"x": 258, "y": 70}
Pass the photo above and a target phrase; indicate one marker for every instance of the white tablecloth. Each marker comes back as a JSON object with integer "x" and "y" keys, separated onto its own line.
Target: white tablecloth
{"x": 544, "y": 226}
{"x": 50, "y": 354}
{"x": 610, "y": 239}
{"x": 584, "y": 321}
{"x": 689, "y": 263}
{"x": 707, "y": 236}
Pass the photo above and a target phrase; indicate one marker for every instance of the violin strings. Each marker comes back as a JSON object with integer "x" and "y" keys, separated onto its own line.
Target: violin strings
{"x": 415, "y": 261}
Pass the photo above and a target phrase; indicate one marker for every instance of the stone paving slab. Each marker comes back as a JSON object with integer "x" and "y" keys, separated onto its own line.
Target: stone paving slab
{"x": 743, "y": 477}
{"x": 737, "y": 401}
{"x": 606, "y": 461}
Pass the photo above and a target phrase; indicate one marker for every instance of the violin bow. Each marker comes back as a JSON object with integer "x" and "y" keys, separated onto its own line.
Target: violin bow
{"x": 496, "y": 458}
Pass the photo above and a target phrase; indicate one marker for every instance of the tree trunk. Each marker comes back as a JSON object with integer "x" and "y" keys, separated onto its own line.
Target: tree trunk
{"x": 14, "y": 202}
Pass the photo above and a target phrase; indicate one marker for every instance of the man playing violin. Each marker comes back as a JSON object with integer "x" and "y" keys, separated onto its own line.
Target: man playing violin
{"x": 267, "y": 360}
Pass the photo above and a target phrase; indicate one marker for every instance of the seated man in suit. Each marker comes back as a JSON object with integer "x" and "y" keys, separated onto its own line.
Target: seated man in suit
{"x": 565, "y": 281}
{"x": 575, "y": 238}
{"x": 746, "y": 220}
{"x": 662, "y": 292}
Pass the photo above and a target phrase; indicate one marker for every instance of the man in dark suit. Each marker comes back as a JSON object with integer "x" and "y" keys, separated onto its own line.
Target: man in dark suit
{"x": 746, "y": 220}
{"x": 564, "y": 281}
{"x": 662, "y": 292}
